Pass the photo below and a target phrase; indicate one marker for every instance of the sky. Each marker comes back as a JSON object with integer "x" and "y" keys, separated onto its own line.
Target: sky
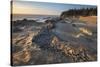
{"x": 42, "y": 8}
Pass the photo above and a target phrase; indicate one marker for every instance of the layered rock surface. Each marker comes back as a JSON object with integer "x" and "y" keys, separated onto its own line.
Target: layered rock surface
{"x": 46, "y": 47}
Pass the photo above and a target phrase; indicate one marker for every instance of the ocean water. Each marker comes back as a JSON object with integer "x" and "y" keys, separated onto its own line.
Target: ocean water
{"x": 30, "y": 17}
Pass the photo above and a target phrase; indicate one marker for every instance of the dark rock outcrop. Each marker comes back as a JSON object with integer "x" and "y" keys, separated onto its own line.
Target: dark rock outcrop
{"x": 43, "y": 39}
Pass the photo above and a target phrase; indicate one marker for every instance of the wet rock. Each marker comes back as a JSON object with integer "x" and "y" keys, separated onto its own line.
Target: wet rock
{"x": 21, "y": 57}
{"x": 47, "y": 57}
{"x": 23, "y": 22}
{"x": 47, "y": 48}
{"x": 55, "y": 41}
{"x": 43, "y": 39}
{"x": 25, "y": 41}
{"x": 16, "y": 48}
{"x": 16, "y": 29}
{"x": 78, "y": 54}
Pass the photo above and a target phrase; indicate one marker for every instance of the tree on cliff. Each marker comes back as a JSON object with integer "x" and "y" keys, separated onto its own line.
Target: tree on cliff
{"x": 79, "y": 12}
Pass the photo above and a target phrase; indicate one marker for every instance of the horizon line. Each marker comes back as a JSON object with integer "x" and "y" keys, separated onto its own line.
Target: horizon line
{"x": 33, "y": 14}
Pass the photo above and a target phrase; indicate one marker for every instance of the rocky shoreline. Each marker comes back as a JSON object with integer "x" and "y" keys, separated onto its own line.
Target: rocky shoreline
{"x": 45, "y": 47}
